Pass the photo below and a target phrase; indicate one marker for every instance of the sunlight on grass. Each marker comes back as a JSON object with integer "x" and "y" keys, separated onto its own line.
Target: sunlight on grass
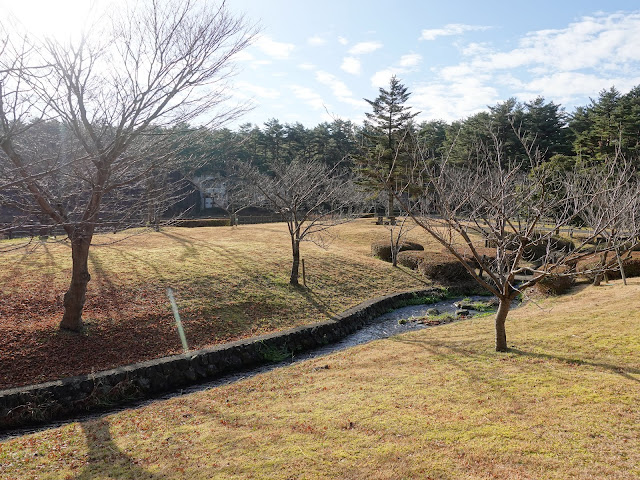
{"x": 229, "y": 283}
{"x": 437, "y": 403}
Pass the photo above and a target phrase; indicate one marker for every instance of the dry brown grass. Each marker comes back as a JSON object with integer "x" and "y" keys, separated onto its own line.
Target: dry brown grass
{"x": 230, "y": 283}
{"x": 434, "y": 404}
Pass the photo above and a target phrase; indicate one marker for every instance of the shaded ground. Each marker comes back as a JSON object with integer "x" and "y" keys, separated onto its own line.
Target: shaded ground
{"x": 229, "y": 284}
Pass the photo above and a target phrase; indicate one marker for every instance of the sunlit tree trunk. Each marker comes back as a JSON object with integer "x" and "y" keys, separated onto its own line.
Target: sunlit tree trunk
{"x": 295, "y": 266}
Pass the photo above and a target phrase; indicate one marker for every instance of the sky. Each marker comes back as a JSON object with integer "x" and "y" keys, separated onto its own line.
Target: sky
{"x": 318, "y": 60}
{"x": 315, "y": 61}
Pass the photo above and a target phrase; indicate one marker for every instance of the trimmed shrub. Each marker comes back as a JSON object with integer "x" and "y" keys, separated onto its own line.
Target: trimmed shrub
{"x": 410, "y": 258}
{"x": 444, "y": 268}
{"x": 202, "y": 222}
{"x": 537, "y": 249}
{"x": 488, "y": 253}
{"x": 554, "y": 285}
{"x": 382, "y": 249}
{"x": 630, "y": 264}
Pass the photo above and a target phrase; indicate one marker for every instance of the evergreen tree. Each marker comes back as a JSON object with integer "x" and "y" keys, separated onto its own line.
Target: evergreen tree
{"x": 598, "y": 126}
{"x": 432, "y": 136}
{"x": 387, "y": 131}
{"x": 544, "y": 126}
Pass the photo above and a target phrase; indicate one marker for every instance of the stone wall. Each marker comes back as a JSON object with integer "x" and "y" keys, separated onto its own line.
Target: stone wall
{"x": 75, "y": 395}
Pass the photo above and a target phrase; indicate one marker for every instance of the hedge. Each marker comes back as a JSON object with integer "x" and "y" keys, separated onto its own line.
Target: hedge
{"x": 382, "y": 249}
{"x": 202, "y": 222}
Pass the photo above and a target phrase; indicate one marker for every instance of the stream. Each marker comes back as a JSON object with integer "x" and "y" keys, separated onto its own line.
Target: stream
{"x": 398, "y": 321}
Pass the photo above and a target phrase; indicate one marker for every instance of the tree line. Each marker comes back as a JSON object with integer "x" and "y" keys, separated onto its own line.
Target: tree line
{"x": 608, "y": 125}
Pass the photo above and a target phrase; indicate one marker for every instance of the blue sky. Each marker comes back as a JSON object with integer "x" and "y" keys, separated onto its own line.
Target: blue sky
{"x": 317, "y": 60}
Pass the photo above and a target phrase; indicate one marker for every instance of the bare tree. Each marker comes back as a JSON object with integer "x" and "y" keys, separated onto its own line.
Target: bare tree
{"x": 398, "y": 230}
{"x": 514, "y": 212}
{"x": 613, "y": 211}
{"x": 115, "y": 95}
{"x": 311, "y": 197}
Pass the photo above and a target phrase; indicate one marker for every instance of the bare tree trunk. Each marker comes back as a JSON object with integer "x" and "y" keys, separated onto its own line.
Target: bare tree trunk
{"x": 395, "y": 246}
{"x": 295, "y": 266}
{"x": 390, "y": 207}
{"x": 621, "y": 267}
{"x": 604, "y": 264}
{"x": 501, "y": 317}
{"x": 75, "y": 297}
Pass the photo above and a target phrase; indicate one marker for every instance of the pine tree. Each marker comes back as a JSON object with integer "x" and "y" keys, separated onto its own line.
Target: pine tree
{"x": 386, "y": 138}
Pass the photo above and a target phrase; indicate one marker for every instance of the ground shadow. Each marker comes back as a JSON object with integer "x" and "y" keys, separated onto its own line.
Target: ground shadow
{"x": 625, "y": 372}
{"x": 105, "y": 458}
{"x": 622, "y": 371}
{"x": 315, "y": 300}
{"x": 103, "y": 279}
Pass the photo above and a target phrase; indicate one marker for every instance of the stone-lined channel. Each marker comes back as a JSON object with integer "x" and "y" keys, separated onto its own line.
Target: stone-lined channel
{"x": 395, "y": 322}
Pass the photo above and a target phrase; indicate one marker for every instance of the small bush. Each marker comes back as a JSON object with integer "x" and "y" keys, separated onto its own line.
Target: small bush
{"x": 410, "y": 258}
{"x": 632, "y": 245}
{"x": 202, "y": 222}
{"x": 382, "y": 249}
{"x": 444, "y": 268}
{"x": 554, "y": 285}
{"x": 537, "y": 250}
{"x": 487, "y": 253}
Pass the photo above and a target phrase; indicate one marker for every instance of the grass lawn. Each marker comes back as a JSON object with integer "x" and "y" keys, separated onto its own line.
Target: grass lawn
{"x": 230, "y": 283}
{"x": 433, "y": 404}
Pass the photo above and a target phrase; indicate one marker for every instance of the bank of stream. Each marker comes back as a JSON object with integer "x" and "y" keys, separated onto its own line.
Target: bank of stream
{"x": 395, "y": 322}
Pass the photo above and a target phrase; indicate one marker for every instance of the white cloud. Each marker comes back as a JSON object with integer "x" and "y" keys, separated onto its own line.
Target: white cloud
{"x": 316, "y": 41}
{"x": 364, "y": 48}
{"x": 259, "y": 63}
{"x": 602, "y": 42}
{"x": 566, "y": 65}
{"x": 252, "y": 90}
{"x": 473, "y": 49}
{"x": 568, "y": 85}
{"x": 242, "y": 56}
{"x": 406, "y": 64}
{"x": 306, "y": 66}
{"x": 410, "y": 60}
{"x": 351, "y": 65}
{"x": 338, "y": 88}
{"x": 278, "y": 50}
{"x": 452, "y": 101}
{"x": 381, "y": 78}
{"x": 309, "y": 96}
{"x": 450, "y": 29}
{"x": 343, "y": 41}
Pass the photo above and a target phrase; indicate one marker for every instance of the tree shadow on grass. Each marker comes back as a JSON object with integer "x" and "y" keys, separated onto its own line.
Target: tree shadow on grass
{"x": 625, "y": 372}
{"x": 315, "y": 300}
{"x": 105, "y": 284}
{"x": 416, "y": 276}
{"x": 191, "y": 249}
{"x": 105, "y": 459}
{"x": 632, "y": 374}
